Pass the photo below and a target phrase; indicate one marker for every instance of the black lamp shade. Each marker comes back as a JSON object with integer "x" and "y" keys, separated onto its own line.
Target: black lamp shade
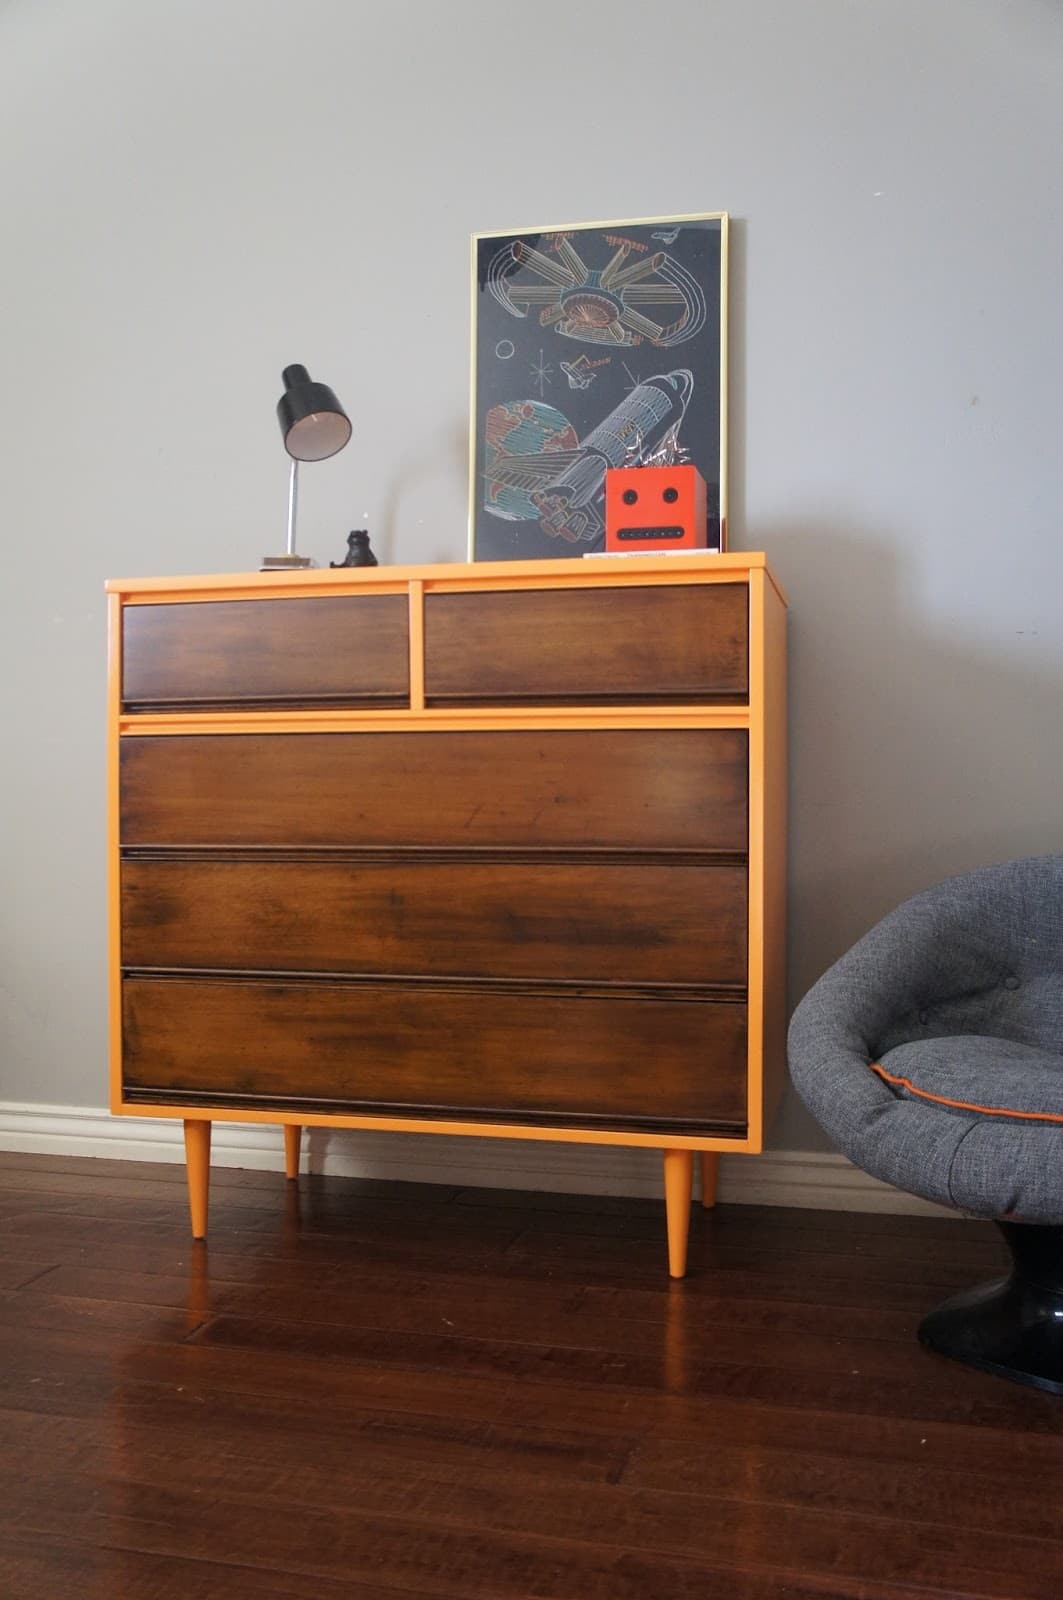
{"x": 313, "y": 422}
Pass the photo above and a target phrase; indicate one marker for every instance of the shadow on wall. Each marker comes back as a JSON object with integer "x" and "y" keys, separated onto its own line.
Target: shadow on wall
{"x": 913, "y": 756}
{"x": 450, "y": 460}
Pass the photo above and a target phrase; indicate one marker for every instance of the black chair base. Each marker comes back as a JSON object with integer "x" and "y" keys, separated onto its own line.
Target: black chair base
{"x": 1013, "y": 1327}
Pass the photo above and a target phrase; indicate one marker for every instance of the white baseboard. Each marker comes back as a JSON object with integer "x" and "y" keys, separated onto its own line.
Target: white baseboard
{"x": 813, "y": 1179}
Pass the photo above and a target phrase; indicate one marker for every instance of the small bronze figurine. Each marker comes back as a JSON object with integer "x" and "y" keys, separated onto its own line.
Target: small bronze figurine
{"x": 358, "y": 551}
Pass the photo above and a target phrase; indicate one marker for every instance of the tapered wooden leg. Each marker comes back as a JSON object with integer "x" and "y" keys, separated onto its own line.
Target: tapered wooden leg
{"x": 292, "y": 1139}
{"x": 197, "y": 1157}
{"x": 710, "y": 1162}
{"x": 678, "y": 1183}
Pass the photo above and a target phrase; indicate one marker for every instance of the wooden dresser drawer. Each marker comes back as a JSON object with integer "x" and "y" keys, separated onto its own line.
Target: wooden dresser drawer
{"x": 438, "y": 1051}
{"x": 669, "y": 643}
{"x": 677, "y": 789}
{"x": 630, "y": 922}
{"x": 344, "y": 650}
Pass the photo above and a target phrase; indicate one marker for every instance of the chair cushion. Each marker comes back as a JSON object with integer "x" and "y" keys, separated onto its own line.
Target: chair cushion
{"x": 971, "y": 1073}
{"x": 957, "y": 997}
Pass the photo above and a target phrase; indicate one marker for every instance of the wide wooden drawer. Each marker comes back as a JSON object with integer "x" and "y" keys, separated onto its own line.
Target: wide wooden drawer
{"x": 630, "y": 922}
{"x": 672, "y": 643}
{"x": 679, "y": 789}
{"x": 342, "y": 650}
{"x": 437, "y": 1051}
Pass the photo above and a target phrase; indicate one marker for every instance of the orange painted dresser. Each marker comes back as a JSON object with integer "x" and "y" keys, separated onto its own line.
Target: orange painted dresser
{"x": 495, "y": 850}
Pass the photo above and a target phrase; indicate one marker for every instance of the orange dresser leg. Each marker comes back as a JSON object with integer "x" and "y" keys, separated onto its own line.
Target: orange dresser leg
{"x": 678, "y": 1183}
{"x": 710, "y": 1162}
{"x": 292, "y": 1139}
{"x": 197, "y": 1157}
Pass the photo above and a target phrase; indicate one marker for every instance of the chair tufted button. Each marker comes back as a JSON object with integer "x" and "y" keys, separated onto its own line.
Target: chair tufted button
{"x": 924, "y": 1017}
{"x": 1011, "y": 983}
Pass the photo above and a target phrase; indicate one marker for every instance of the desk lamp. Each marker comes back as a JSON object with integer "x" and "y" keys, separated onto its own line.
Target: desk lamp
{"x": 314, "y": 426}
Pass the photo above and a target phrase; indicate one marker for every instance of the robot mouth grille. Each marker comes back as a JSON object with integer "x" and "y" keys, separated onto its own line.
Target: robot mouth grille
{"x": 636, "y": 534}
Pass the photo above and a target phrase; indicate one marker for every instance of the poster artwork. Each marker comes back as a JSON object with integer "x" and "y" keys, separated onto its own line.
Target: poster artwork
{"x": 593, "y": 347}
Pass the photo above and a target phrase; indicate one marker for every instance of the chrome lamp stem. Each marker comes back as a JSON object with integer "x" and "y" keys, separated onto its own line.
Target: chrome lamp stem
{"x": 293, "y": 504}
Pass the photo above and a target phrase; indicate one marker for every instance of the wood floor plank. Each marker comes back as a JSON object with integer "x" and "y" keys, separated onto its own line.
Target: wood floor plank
{"x": 26, "y": 1313}
{"x": 34, "y": 1567}
{"x": 427, "y": 1245}
{"x": 873, "y": 1486}
{"x": 235, "y": 1434}
{"x": 313, "y": 1220}
{"x": 923, "y": 1387}
{"x": 17, "y": 1274}
{"x": 67, "y": 1377}
{"x": 564, "y": 1313}
{"x": 495, "y": 1529}
{"x": 390, "y": 1448}
{"x": 558, "y": 1315}
{"x": 640, "y": 1258}
{"x": 255, "y": 1353}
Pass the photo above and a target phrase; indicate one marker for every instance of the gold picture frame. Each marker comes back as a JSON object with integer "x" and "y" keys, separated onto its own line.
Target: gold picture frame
{"x": 537, "y": 460}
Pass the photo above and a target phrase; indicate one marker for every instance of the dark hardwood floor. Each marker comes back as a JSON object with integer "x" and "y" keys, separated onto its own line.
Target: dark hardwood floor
{"x": 362, "y": 1390}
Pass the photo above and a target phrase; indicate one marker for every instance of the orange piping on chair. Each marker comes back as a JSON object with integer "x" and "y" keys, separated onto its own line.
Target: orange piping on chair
{"x": 964, "y": 1105}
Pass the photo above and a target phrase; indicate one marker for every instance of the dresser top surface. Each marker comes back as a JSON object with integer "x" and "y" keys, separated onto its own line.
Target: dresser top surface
{"x": 700, "y": 567}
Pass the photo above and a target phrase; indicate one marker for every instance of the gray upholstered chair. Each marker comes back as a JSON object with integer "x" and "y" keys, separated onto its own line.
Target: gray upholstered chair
{"x": 932, "y": 1054}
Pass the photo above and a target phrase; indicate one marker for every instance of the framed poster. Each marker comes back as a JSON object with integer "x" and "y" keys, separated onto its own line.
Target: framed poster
{"x": 595, "y": 345}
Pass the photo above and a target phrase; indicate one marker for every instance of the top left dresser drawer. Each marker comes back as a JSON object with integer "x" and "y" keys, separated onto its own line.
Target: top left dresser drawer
{"x": 330, "y": 651}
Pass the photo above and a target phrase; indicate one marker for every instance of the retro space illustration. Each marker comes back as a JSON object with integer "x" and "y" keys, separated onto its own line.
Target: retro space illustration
{"x": 594, "y": 349}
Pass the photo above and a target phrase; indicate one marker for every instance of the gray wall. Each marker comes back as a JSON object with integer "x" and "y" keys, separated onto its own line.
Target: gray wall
{"x": 197, "y": 192}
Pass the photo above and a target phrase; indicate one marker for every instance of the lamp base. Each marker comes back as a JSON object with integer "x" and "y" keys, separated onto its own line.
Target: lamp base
{"x": 286, "y": 563}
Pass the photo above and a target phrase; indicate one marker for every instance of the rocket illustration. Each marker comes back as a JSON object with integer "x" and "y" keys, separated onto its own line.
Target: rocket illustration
{"x": 570, "y": 506}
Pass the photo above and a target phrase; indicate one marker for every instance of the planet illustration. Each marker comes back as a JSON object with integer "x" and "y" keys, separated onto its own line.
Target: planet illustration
{"x": 516, "y": 429}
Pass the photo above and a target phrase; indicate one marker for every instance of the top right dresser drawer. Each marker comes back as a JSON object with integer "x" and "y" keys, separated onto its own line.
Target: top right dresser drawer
{"x": 670, "y": 644}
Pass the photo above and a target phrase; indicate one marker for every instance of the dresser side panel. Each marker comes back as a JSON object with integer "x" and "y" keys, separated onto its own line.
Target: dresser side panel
{"x": 776, "y": 793}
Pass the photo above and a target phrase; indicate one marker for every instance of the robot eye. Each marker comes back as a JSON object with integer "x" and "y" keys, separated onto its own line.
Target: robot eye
{"x": 630, "y": 496}
{"x": 671, "y": 496}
